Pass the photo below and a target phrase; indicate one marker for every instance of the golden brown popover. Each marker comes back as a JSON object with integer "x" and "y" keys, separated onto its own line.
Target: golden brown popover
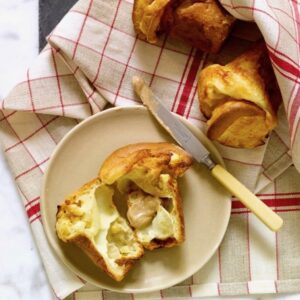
{"x": 204, "y": 24}
{"x": 240, "y": 99}
{"x": 147, "y": 174}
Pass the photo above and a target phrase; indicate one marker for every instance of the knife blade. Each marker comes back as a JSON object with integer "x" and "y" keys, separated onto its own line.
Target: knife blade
{"x": 186, "y": 139}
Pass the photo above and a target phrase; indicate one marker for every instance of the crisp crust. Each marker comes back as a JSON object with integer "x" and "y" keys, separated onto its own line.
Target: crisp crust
{"x": 146, "y": 17}
{"x": 248, "y": 78}
{"x": 137, "y": 14}
{"x": 88, "y": 247}
{"x": 245, "y": 78}
{"x": 238, "y": 124}
{"x": 204, "y": 24}
{"x": 122, "y": 160}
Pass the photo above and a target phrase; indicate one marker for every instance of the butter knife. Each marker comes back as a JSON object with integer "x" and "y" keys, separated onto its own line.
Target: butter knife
{"x": 185, "y": 138}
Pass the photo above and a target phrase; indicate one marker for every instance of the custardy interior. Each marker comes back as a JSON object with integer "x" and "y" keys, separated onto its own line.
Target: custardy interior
{"x": 151, "y": 180}
{"x": 93, "y": 214}
{"x": 162, "y": 226}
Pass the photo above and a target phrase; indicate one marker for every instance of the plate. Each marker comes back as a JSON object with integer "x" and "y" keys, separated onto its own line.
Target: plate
{"x": 77, "y": 160}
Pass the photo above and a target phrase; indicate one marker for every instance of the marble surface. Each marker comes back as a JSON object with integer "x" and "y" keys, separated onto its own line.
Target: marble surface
{"x": 22, "y": 275}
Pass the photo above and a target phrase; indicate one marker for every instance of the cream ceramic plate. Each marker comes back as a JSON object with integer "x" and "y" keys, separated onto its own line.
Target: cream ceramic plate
{"x": 77, "y": 160}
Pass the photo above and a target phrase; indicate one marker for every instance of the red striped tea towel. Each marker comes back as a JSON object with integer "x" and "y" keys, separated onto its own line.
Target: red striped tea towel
{"x": 90, "y": 60}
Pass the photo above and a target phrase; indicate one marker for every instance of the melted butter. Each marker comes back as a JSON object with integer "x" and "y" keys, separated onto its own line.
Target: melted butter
{"x": 142, "y": 210}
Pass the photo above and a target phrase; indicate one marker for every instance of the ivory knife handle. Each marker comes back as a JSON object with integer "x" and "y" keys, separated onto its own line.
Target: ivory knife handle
{"x": 254, "y": 204}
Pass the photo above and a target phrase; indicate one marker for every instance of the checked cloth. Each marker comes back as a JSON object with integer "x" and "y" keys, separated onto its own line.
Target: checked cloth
{"x": 89, "y": 61}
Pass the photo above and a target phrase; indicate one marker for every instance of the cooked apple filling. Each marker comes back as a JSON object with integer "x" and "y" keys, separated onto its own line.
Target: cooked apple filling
{"x": 152, "y": 209}
{"x": 149, "y": 217}
{"x": 142, "y": 208}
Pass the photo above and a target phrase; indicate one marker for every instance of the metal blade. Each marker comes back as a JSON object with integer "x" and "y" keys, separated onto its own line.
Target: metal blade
{"x": 183, "y": 136}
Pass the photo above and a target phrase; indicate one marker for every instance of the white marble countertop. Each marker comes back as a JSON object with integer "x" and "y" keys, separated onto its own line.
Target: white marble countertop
{"x": 22, "y": 275}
